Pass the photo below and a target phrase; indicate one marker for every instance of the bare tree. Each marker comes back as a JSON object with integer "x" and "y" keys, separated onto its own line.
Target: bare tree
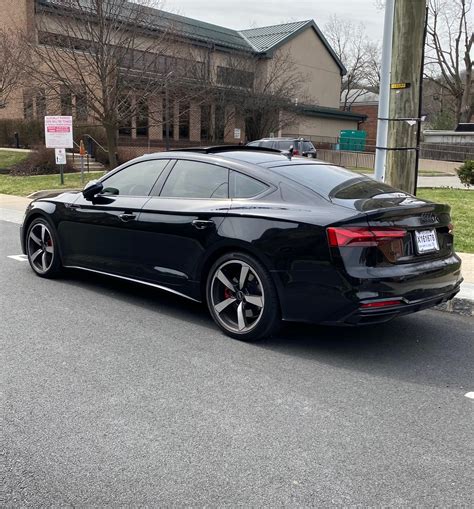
{"x": 360, "y": 56}
{"x": 449, "y": 47}
{"x": 115, "y": 55}
{"x": 11, "y": 73}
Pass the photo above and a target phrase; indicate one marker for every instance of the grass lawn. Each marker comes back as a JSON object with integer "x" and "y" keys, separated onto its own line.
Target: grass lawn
{"x": 462, "y": 213}
{"x": 424, "y": 173}
{"x": 23, "y": 186}
{"x": 10, "y": 157}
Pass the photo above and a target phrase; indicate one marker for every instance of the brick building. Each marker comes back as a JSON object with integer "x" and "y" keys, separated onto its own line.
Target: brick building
{"x": 211, "y": 45}
{"x": 363, "y": 102}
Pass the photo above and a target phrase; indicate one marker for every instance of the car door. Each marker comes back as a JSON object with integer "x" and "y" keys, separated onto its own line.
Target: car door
{"x": 103, "y": 234}
{"x": 182, "y": 221}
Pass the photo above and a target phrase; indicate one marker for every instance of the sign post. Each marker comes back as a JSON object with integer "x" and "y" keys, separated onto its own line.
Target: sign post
{"x": 58, "y": 135}
{"x": 60, "y": 158}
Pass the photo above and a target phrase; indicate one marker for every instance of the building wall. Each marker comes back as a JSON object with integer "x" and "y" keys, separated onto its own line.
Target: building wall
{"x": 315, "y": 126}
{"x": 322, "y": 75}
{"x": 370, "y": 125}
{"x": 16, "y": 16}
{"x": 321, "y": 78}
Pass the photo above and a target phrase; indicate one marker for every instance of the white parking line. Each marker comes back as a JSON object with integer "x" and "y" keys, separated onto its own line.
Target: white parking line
{"x": 19, "y": 258}
{"x": 469, "y": 395}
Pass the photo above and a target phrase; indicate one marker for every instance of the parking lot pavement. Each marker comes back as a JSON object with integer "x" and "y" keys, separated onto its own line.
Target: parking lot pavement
{"x": 118, "y": 395}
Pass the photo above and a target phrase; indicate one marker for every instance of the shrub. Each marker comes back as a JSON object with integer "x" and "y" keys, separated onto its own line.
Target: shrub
{"x": 466, "y": 173}
{"x": 39, "y": 162}
{"x": 30, "y": 132}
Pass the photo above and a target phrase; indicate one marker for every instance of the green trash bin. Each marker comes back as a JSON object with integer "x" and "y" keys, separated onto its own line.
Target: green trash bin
{"x": 352, "y": 140}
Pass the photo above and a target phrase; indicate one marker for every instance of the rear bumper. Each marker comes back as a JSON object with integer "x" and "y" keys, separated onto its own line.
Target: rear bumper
{"x": 330, "y": 295}
{"x": 371, "y": 316}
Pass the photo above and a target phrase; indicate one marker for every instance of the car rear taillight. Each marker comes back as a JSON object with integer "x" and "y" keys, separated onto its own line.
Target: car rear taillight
{"x": 296, "y": 152}
{"x": 450, "y": 228}
{"x": 363, "y": 237}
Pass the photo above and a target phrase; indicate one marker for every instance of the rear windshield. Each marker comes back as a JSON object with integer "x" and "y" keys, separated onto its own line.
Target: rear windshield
{"x": 255, "y": 157}
{"x": 284, "y": 145}
{"x": 332, "y": 181}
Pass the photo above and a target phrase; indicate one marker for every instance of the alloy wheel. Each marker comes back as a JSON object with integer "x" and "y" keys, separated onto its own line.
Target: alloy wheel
{"x": 237, "y": 296}
{"x": 40, "y": 248}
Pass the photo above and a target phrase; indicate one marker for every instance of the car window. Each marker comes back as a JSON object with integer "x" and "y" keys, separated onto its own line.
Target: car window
{"x": 193, "y": 179}
{"x": 322, "y": 178}
{"x": 285, "y": 145}
{"x": 253, "y": 144}
{"x": 266, "y": 144}
{"x": 136, "y": 179}
{"x": 242, "y": 186}
{"x": 307, "y": 146}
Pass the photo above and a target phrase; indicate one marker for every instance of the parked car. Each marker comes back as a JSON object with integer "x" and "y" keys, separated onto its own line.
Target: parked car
{"x": 257, "y": 236}
{"x": 301, "y": 146}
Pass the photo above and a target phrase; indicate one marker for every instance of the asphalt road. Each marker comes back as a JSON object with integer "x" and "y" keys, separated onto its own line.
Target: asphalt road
{"x": 118, "y": 395}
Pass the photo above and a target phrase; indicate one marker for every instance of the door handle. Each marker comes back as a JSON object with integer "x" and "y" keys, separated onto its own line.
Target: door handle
{"x": 127, "y": 217}
{"x": 201, "y": 224}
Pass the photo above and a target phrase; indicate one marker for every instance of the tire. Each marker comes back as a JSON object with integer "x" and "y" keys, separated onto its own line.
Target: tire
{"x": 242, "y": 298}
{"x": 42, "y": 248}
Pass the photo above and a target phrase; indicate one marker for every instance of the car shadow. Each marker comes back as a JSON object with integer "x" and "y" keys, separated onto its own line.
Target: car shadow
{"x": 429, "y": 347}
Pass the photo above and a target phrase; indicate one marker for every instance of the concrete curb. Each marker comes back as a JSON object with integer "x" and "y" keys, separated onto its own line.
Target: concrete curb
{"x": 462, "y": 304}
{"x": 458, "y": 306}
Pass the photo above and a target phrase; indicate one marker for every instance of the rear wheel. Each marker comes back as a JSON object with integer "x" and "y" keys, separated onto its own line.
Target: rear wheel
{"x": 42, "y": 248}
{"x": 242, "y": 298}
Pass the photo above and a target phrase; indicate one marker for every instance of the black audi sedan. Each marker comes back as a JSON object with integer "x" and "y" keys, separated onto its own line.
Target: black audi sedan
{"x": 255, "y": 235}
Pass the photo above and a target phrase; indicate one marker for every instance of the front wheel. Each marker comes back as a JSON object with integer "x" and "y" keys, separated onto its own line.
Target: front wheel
{"x": 42, "y": 248}
{"x": 242, "y": 298}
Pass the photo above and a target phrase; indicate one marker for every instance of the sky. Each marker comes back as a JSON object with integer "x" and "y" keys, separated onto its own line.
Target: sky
{"x": 240, "y": 14}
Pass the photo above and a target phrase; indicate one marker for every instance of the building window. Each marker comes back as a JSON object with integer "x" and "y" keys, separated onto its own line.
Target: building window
{"x": 168, "y": 118}
{"x": 142, "y": 117}
{"x": 184, "y": 121}
{"x": 66, "y": 101}
{"x": 234, "y": 77}
{"x": 28, "y": 104}
{"x": 125, "y": 119}
{"x": 81, "y": 105}
{"x": 40, "y": 103}
{"x": 205, "y": 122}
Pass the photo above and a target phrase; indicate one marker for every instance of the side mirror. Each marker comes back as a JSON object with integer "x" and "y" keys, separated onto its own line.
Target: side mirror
{"x": 91, "y": 189}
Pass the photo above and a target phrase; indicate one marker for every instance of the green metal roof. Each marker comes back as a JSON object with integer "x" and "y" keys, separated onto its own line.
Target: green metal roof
{"x": 268, "y": 39}
{"x": 325, "y": 112}
{"x": 262, "y": 40}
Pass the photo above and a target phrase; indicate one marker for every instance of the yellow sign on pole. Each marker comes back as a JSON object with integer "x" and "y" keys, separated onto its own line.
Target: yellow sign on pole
{"x": 399, "y": 86}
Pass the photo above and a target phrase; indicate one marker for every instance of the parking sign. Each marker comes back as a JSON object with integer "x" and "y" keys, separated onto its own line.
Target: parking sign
{"x": 60, "y": 155}
{"x": 58, "y": 131}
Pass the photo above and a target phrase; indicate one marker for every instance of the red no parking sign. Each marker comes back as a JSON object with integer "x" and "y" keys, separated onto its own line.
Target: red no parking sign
{"x": 58, "y": 131}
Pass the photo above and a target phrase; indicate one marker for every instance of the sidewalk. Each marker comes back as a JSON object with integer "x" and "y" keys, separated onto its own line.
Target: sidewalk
{"x": 12, "y": 209}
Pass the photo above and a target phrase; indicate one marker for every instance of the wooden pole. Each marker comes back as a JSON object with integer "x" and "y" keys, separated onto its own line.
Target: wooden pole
{"x": 407, "y": 49}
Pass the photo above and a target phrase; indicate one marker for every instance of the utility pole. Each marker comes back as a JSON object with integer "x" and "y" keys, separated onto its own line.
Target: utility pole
{"x": 384, "y": 96}
{"x": 407, "y": 51}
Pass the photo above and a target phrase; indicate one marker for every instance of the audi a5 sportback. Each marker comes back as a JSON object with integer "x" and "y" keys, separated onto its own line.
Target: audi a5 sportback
{"x": 255, "y": 235}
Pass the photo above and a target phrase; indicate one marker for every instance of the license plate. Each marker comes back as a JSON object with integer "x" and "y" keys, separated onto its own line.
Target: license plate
{"x": 426, "y": 241}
